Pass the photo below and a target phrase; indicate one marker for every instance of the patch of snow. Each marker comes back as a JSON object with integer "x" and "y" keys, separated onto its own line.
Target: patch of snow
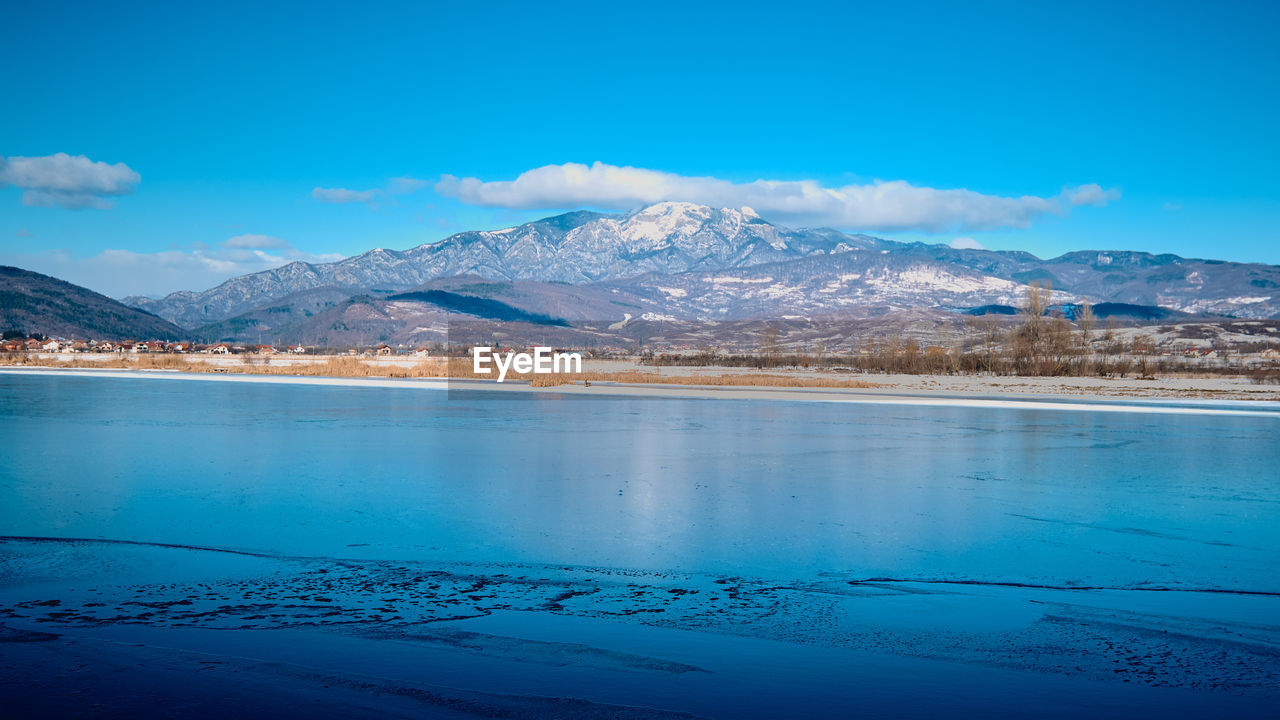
{"x": 726, "y": 279}
{"x": 779, "y": 290}
{"x": 1213, "y": 304}
{"x": 922, "y": 278}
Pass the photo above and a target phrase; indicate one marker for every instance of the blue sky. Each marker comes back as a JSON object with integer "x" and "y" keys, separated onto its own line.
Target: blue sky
{"x": 195, "y": 138}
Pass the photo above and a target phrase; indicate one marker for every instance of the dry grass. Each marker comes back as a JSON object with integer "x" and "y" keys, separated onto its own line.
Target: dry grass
{"x": 340, "y": 366}
{"x": 351, "y": 367}
{"x": 459, "y": 368}
{"x": 129, "y": 362}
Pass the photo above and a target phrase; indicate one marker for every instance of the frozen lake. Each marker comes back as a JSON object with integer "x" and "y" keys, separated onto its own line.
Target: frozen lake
{"x": 1044, "y": 550}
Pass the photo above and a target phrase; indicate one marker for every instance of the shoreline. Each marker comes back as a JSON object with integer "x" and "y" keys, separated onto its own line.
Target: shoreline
{"x": 889, "y": 396}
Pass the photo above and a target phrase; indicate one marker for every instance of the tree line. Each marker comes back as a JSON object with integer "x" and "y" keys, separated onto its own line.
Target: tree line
{"x": 1039, "y": 341}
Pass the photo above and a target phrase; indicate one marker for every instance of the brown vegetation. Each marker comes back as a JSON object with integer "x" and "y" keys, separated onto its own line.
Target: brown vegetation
{"x": 258, "y": 365}
{"x": 457, "y": 368}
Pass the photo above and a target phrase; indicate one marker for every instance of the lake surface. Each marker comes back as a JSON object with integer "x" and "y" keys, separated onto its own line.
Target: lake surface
{"x": 871, "y": 518}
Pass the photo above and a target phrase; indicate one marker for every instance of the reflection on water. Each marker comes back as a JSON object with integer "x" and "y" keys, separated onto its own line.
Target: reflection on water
{"x": 765, "y": 489}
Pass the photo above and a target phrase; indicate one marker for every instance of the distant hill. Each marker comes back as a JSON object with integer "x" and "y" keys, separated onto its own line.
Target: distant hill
{"x": 1124, "y": 312}
{"x": 1137, "y": 313}
{"x": 35, "y": 303}
{"x": 287, "y": 319}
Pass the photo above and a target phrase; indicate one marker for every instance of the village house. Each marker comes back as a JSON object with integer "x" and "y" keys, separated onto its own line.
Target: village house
{"x": 51, "y": 346}
{"x": 264, "y": 350}
{"x": 219, "y": 349}
{"x": 383, "y": 350}
{"x": 421, "y": 352}
{"x": 297, "y": 350}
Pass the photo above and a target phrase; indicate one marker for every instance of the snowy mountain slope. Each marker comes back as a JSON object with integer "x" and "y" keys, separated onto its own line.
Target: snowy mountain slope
{"x": 858, "y": 283}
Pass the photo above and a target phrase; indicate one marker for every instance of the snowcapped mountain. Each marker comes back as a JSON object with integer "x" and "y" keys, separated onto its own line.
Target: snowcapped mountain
{"x": 695, "y": 262}
{"x": 577, "y": 247}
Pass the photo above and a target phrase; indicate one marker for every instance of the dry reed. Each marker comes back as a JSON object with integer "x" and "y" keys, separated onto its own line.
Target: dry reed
{"x": 456, "y": 368}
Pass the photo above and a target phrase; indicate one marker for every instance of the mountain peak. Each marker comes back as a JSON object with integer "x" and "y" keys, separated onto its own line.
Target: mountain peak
{"x": 672, "y": 212}
{"x": 674, "y": 208}
{"x": 669, "y": 206}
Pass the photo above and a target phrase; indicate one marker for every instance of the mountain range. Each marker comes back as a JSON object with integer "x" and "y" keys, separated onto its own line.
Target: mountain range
{"x": 680, "y": 262}
{"x": 574, "y": 248}
{"x": 691, "y": 262}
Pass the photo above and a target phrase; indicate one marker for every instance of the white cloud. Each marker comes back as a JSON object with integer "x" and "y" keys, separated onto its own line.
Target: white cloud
{"x": 966, "y": 243}
{"x": 252, "y": 241}
{"x": 395, "y": 186}
{"x": 406, "y": 185}
{"x": 881, "y": 205}
{"x": 119, "y": 273}
{"x": 68, "y": 181}
{"x": 342, "y": 196}
{"x": 1091, "y": 194}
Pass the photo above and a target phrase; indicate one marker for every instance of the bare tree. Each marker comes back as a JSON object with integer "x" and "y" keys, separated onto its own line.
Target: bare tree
{"x": 1029, "y": 339}
{"x": 769, "y": 346}
{"x": 1086, "y": 321}
{"x": 1059, "y": 346}
{"x": 1143, "y": 346}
